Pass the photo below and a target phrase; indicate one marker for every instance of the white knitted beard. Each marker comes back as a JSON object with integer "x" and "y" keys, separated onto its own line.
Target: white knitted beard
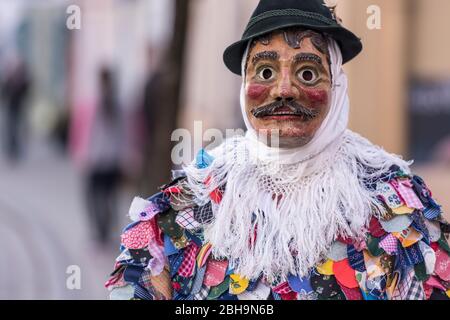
{"x": 313, "y": 209}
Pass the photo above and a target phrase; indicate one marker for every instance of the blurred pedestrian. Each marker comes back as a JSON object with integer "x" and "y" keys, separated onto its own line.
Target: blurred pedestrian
{"x": 151, "y": 105}
{"x": 103, "y": 169}
{"x": 14, "y": 91}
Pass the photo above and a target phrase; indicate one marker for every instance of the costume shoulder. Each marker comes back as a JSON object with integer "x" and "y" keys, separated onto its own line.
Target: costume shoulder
{"x": 162, "y": 250}
{"x": 405, "y": 255}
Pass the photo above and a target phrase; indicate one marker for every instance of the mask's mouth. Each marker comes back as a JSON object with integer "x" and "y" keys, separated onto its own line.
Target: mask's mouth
{"x": 285, "y": 109}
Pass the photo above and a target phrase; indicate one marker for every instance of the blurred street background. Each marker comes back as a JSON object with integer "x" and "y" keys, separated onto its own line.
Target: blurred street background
{"x": 90, "y": 92}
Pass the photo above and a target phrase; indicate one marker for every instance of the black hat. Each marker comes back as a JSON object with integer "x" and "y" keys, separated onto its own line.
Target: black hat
{"x": 271, "y": 15}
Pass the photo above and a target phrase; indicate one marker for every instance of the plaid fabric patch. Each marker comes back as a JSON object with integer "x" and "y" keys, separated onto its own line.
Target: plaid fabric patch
{"x": 402, "y": 289}
{"x": 202, "y": 294}
{"x": 186, "y": 219}
{"x": 416, "y": 291}
{"x": 145, "y": 281}
{"x": 187, "y": 267}
{"x": 404, "y": 189}
{"x": 389, "y": 244}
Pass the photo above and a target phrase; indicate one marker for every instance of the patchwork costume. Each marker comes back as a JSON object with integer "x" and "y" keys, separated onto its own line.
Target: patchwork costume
{"x": 337, "y": 219}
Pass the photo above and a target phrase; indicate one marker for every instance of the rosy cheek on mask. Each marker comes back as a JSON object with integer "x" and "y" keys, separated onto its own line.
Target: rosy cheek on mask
{"x": 317, "y": 97}
{"x": 257, "y": 92}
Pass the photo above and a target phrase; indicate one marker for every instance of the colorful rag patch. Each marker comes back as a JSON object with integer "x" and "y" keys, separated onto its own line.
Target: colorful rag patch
{"x": 373, "y": 246}
{"x": 162, "y": 285}
{"x": 429, "y": 257}
{"x": 203, "y": 159}
{"x": 337, "y": 251}
{"x": 434, "y": 230}
{"x": 352, "y": 294}
{"x": 300, "y": 284}
{"x": 409, "y": 257}
{"x": 187, "y": 267}
{"x": 375, "y": 228}
{"x": 282, "y": 288}
{"x": 238, "y": 284}
{"x": 181, "y": 242}
{"x": 215, "y": 272}
{"x": 403, "y": 210}
{"x": 137, "y": 237}
{"x": 442, "y": 268}
{"x": 344, "y": 274}
{"x": 202, "y": 294}
{"x": 326, "y": 268}
{"x": 203, "y": 254}
{"x": 389, "y": 244}
{"x": 185, "y": 219}
{"x": 216, "y": 195}
{"x": 261, "y": 292}
{"x": 356, "y": 258}
{"x": 408, "y": 237}
{"x": 389, "y": 195}
{"x": 376, "y": 287}
{"x": 216, "y": 291}
{"x": 204, "y": 214}
{"x": 325, "y": 286}
{"x": 167, "y": 223}
{"x": 391, "y": 284}
{"x": 361, "y": 278}
{"x": 434, "y": 282}
{"x": 373, "y": 266}
{"x": 404, "y": 187}
{"x": 432, "y": 212}
{"x": 397, "y": 224}
{"x": 142, "y": 210}
{"x": 409, "y": 288}
{"x": 198, "y": 280}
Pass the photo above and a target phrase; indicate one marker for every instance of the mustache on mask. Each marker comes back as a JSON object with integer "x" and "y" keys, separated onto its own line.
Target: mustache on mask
{"x": 296, "y": 109}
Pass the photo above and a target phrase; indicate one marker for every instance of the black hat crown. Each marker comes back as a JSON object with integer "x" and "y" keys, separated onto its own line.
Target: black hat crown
{"x": 271, "y": 15}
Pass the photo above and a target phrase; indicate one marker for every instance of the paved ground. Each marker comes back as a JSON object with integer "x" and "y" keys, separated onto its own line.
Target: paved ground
{"x": 43, "y": 230}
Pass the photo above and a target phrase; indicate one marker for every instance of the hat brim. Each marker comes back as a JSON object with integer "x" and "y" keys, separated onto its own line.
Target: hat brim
{"x": 348, "y": 42}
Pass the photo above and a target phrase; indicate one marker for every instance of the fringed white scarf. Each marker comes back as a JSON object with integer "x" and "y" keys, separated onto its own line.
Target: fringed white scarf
{"x": 281, "y": 211}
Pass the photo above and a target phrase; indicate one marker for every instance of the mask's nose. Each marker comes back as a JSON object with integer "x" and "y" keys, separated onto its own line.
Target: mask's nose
{"x": 285, "y": 88}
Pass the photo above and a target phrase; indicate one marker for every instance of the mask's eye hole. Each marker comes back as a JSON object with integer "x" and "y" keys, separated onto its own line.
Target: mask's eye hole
{"x": 307, "y": 75}
{"x": 266, "y": 73}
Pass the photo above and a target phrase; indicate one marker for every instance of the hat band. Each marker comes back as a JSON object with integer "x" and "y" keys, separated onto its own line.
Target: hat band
{"x": 289, "y": 12}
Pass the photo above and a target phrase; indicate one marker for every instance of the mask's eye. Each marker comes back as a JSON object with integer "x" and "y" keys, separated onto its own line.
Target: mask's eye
{"x": 307, "y": 75}
{"x": 266, "y": 73}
